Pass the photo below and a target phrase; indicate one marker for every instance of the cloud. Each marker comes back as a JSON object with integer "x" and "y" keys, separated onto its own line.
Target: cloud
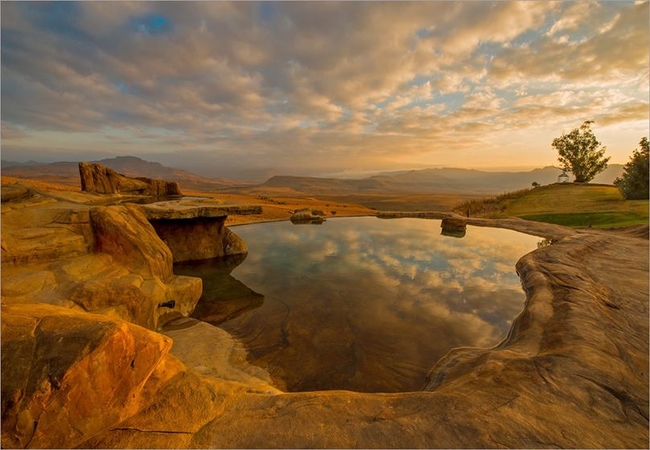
{"x": 319, "y": 85}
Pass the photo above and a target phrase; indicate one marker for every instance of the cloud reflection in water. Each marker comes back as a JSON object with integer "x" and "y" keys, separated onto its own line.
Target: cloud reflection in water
{"x": 370, "y": 305}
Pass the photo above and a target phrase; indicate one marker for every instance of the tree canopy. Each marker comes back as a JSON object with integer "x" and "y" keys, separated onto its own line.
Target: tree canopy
{"x": 580, "y": 153}
{"x": 634, "y": 181}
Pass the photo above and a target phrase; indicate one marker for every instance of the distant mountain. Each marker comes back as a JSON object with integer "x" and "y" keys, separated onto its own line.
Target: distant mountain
{"x": 7, "y": 164}
{"x": 608, "y": 175}
{"x": 424, "y": 181}
{"x": 130, "y": 166}
{"x": 445, "y": 180}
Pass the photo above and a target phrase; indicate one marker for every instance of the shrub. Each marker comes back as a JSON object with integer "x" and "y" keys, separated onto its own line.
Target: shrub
{"x": 634, "y": 181}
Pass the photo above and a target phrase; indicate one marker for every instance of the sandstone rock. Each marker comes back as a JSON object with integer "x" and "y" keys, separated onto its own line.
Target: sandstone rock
{"x": 573, "y": 371}
{"x": 45, "y": 231}
{"x": 199, "y": 238}
{"x": 453, "y": 227}
{"x": 161, "y": 188}
{"x": 68, "y": 375}
{"x": 209, "y": 350}
{"x": 171, "y": 422}
{"x": 193, "y": 209}
{"x": 125, "y": 233}
{"x": 14, "y": 192}
{"x": 96, "y": 178}
{"x": 194, "y": 230}
{"x": 306, "y": 216}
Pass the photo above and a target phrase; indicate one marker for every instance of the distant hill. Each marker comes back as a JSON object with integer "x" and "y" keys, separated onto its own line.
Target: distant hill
{"x": 574, "y": 205}
{"x": 131, "y": 166}
{"x": 425, "y": 181}
{"x": 8, "y": 164}
{"x": 430, "y": 181}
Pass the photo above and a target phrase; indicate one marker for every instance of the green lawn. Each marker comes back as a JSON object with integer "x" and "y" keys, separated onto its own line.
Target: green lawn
{"x": 575, "y": 205}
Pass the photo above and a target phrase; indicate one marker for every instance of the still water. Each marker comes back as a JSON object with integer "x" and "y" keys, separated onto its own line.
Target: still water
{"x": 362, "y": 304}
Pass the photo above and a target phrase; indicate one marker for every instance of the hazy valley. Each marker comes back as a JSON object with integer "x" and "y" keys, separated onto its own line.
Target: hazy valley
{"x": 425, "y": 189}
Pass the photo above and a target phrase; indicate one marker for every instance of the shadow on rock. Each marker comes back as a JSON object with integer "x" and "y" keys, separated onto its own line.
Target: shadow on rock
{"x": 223, "y": 297}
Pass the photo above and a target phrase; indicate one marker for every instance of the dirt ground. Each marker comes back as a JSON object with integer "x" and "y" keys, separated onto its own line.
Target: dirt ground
{"x": 281, "y": 208}
{"x": 273, "y": 208}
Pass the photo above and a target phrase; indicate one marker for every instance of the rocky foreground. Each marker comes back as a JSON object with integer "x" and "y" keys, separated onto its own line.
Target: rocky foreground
{"x": 85, "y": 286}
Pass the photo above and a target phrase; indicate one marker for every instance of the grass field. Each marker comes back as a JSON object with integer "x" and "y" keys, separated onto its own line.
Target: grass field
{"x": 575, "y": 205}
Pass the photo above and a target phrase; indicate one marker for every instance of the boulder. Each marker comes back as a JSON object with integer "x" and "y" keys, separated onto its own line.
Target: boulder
{"x": 198, "y": 238}
{"x": 14, "y": 192}
{"x": 45, "y": 231}
{"x": 126, "y": 234}
{"x": 195, "y": 231}
{"x": 96, "y": 178}
{"x": 306, "y": 216}
{"x": 148, "y": 303}
{"x": 454, "y": 227}
{"x": 67, "y": 375}
{"x": 453, "y": 224}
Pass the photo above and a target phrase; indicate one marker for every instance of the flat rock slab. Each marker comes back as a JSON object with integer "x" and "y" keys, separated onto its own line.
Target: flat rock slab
{"x": 191, "y": 209}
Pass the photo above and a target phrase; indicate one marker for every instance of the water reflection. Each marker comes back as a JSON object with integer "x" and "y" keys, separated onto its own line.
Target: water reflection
{"x": 370, "y": 305}
{"x": 223, "y": 297}
{"x": 453, "y": 233}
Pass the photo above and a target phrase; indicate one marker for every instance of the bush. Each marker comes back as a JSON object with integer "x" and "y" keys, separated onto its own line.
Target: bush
{"x": 634, "y": 181}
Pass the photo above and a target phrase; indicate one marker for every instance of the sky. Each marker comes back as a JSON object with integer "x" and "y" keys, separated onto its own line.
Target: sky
{"x": 254, "y": 89}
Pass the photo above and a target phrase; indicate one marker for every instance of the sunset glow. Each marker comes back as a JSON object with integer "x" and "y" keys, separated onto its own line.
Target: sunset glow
{"x": 249, "y": 89}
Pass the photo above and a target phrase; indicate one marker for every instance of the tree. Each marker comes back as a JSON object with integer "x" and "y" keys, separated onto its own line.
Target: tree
{"x": 634, "y": 181}
{"x": 580, "y": 153}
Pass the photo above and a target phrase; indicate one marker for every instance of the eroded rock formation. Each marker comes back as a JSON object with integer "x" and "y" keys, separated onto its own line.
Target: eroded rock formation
{"x": 195, "y": 231}
{"x": 106, "y": 259}
{"x": 96, "y": 178}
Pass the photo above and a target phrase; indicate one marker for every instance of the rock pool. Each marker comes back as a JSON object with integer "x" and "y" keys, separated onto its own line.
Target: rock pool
{"x": 362, "y": 304}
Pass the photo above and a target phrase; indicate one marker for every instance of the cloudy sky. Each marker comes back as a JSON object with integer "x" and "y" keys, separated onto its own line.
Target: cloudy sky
{"x": 241, "y": 89}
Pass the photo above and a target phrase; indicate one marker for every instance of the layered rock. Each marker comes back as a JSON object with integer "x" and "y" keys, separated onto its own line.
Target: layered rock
{"x": 110, "y": 259}
{"x": 68, "y": 375}
{"x": 106, "y": 259}
{"x": 196, "y": 231}
{"x": 126, "y": 234}
{"x": 96, "y": 178}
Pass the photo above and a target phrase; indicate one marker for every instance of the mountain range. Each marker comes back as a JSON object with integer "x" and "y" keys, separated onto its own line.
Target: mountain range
{"x": 424, "y": 181}
{"x": 444, "y": 180}
{"x": 131, "y": 166}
